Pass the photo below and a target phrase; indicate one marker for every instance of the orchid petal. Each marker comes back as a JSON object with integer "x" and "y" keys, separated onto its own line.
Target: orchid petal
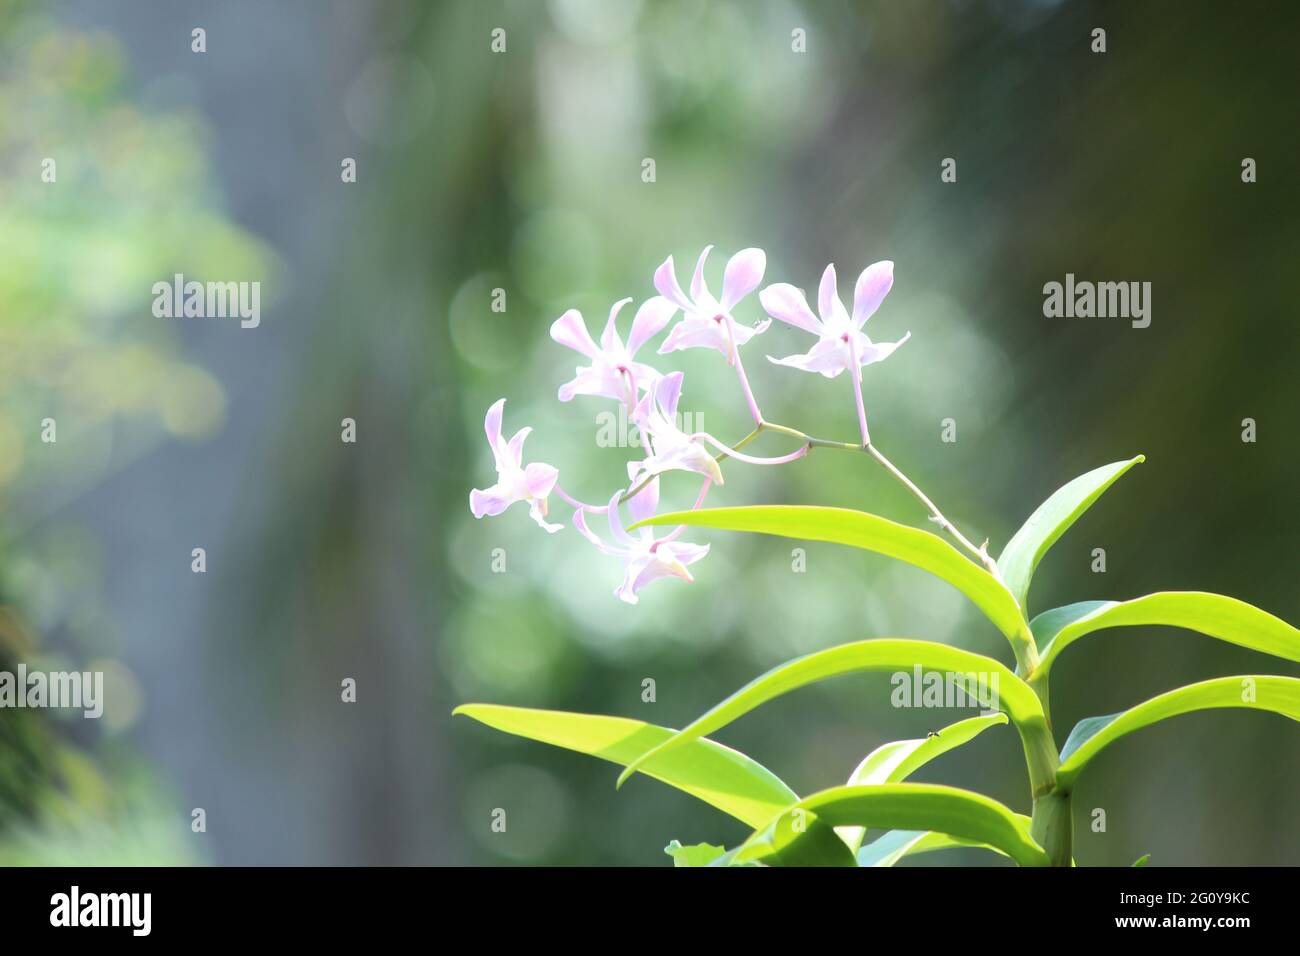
{"x": 490, "y": 501}
{"x": 539, "y": 479}
{"x": 699, "y": 289}
{"x": 827, "y": 294}
{"x": 873, "y": 352}
{"x": 609, "y": 340}
{"x": 616, "y": 523}
{"x": 657, "y": 569}
{"x": 666, "y": 283}
{"x": 626, "y": 591}
{"x": 516, "y": 445}
{"x": 646, "y": 375}
{"x": 684, "y": 551}
{"x": 580, "y": 522}
{"x": 492, "y": 427}
{"x": 654, "y": 314}
{"x": 691, "y": 456}
{"x": 571, "y": 331}
{"x": 589, "y": 381}
{"x": 873, "y": 285}
{"x": 645, "y": 502}
{"x": 783, "y": 301}
{"x": 694, "y": 333}
{"x": 537, "y": 509}
{"x": 744, "y": 273}
{"x": 827, "y": 357}
{"x": 668, "y": 392}
{"x": 744, "y": 333}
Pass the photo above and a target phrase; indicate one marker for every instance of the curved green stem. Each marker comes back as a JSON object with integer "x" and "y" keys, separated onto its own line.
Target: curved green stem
{"x": 979, "y": 553}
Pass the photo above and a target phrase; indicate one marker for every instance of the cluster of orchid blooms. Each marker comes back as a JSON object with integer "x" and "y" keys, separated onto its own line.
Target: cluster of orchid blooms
{"x": 652, "y": 396}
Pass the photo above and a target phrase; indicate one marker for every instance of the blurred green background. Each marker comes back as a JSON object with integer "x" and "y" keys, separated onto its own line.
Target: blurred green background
{"x": 522, "y": 171}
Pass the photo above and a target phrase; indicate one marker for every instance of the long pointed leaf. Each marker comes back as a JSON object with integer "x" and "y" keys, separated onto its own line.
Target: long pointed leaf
{"x": 1261, "y": 692}
{"x": 889, "y": 848}
{"x": 1051, "y": 520}
{"x": 869, "y": 532}
{"x": 880, "y": 654}
{"x": 895, "y": 761}
{"x": 718, "y": 775}
{"x": 1213, "y": 614}
{"x": 901, "y": 806}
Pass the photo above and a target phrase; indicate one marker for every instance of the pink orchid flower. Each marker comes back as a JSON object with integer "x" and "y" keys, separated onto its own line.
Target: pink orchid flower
{"x": 515, "y": 481}
{"x": 612, "y": 372}
{"x": 645, "y": 559}
{"x": 707, "y": 322}
{"x": 841, "y": 343}
{"x": 669, "y": 446}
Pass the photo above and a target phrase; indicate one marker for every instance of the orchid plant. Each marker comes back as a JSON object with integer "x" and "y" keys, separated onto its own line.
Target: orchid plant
{"x": 828, "y": 827}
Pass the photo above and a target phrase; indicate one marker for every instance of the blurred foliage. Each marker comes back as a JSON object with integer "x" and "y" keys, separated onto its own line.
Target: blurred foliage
{"x": 130, "y": 202}
{"x": 99, "y": 199}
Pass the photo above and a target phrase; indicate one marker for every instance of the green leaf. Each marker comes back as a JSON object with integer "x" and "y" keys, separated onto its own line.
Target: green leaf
{"x": 1278, "y": 694}
{"x": 718, "y": 775}
{"x": 895, "y": 761}
{"x": 1212, "y": 614}
{"x": 1054, "y": 516}
{"x": 1142, "y": 860}
{"x": 881, "y": 654}
{"x": 817, "y": 844}
{"x": 699, "y": 854}
{"x": 888, "y": 849}
{"x": 869, "y": 532}
{"x": 960, "y": 814}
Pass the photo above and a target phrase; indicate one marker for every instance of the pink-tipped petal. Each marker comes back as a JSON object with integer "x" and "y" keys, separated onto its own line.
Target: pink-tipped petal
{"x": 539, "y": 479}
{"x": 879, "y": 351}
{"x": 666, "y": 283}
{"x": 783, "y": 301}
{"x": 654, "y": 314}
{"x": 644, "y": 407}
{"x": 693, "y": 456}
{"x": 825, "y": 357}
{"x": 492, "y": 428}
{"x": 746, "y": 332}
{"x": 826, "y": 294}
{"x": 571, "y": 331}
{"x": 616, "y": 528}
{"x": 699, "y": 288}
{"x": 626, "y": 591}
{"x": 686, "y": 552}
{"x": 646, "y": 375}
{"x": 609, "y": 340}
{"x": 872, "y": 287}
{"x": 744, "y": 273}
{"x": 516, "y": 444}
{"x": 668, "y": 393}
{"x": 695, "y": 333}
{"x": 489, "y": 501}
{"x": 656, "y": 570}
{"x": 587, "y": 381}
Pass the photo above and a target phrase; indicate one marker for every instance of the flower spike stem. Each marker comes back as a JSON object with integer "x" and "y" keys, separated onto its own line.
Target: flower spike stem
{"x": 856, "y": 371}
{"x": 740, "y": 373}
{"x": 579, "y": 505}
{"x": 751, "y": 459}
{"x": 980, "y": 554}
